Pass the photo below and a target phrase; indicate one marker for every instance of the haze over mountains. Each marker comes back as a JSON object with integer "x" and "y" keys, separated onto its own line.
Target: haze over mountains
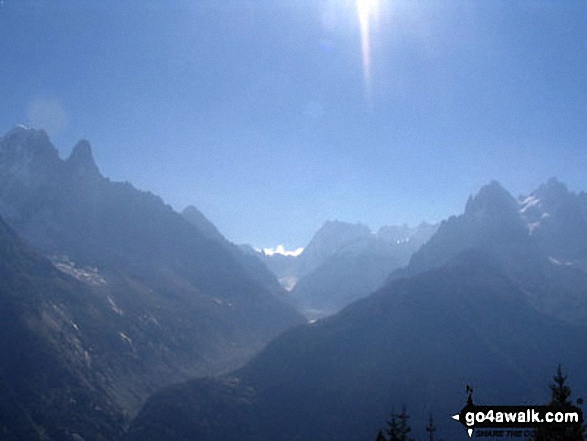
{"x": 249, "y": 261}
{"x": 110, "y": 299}
{"x": 344, "y": 262}
{"x": 156, "y": 300}
{"x": 494, "y": 299}
{"x": 540, "y": 241}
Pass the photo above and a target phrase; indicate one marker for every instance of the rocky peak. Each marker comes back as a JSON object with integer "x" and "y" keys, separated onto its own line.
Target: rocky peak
{"x": 553, "y": 190}
{"x": 492, "y": 201}
{"x": 333, "y": 234}
{"x": 27, "y": 156}
{"x": 328, "y": 240}
{"x": 196, "y": 218}
{"x": 22, "y": 143}
{"x": 81, "y": 161}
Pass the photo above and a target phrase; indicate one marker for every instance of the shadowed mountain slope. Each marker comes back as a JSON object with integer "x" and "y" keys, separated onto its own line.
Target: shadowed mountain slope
{"x": 544, "y": 256}
{"x": 357, "y": 267}
{"x": 254, "y": 267}
{"x": 417, "y": 341}
{"x": 180, "y": 304}
{"x": 481, "y": 303}
{"x": 55, "y": 335}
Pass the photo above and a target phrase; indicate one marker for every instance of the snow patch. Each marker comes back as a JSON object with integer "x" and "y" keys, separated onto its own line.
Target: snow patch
{"x": 280, "y": 249}
{"x": 529, "y": 202}
{"x": 288, "y": 282}
{"x": 89, "y": 276}
{"x": 532, "y": 226}
{"x": 125, "y": 338}
{"x": 555, "y": 261}
{"x": 221, "y": 302}
{"x": 150, "y": 319}
{"x": 559, "y": 262}
{"x": 114, "y": 306}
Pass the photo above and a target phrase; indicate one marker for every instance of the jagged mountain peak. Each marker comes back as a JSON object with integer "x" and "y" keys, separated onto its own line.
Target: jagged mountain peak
{"x": 404, "y": 233}
{"x": 197, "y": 218}
{"x": 82, "y": 160}
{"x": 336, "y": 231}
{"x": 28, "y": 133}
{"x": 159, "y": 273}
{"x": 492, "y": 199}
{"x": 328, "y": 240}
{"x": 551, "y": 195}
{"x": 22, "y": 142}
{"x": 394, "y": 232}
{"x": 339, "y": 226}
{"x": 557, "y": 218}
{"x": 491, "y": 222}
{"x": 553, "y": 189}
{"x": 27, "y": 158}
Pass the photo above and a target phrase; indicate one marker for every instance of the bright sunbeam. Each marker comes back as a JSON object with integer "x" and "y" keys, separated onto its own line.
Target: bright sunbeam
{"x": 368, "y": 11}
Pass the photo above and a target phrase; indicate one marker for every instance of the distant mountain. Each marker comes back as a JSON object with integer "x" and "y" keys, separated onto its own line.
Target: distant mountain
{"x": 482, "y": 303}
{"x": 287, "y": 268}
{"x": 327, "y": 241}
{"x": 201, "y": 222}
{"x": 254, "y": 267}
{"x": 357, "y": 267}
{"x": 557, "y": 220}
{"x": 324, "y": 244}
{"x": 491, "y": 222}
{"x": 182, "y": 302}
{"x": 343, "y": 262}
{"x": 417, "y": 341}
{"x": 541, "y": 241}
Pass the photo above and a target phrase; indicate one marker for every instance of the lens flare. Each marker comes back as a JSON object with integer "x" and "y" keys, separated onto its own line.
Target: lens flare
{"x": 368, "y": 11}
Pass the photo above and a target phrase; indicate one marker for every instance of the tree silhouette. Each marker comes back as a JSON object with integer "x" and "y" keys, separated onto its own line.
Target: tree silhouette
{"x": 560, "y": 396}
{"x": 430, "y": 428}
{"x": 393, "y": 428}
{"x": 380, "y": 437}
{"x": 560, "y": 392}
{"x": 397, "y": 428}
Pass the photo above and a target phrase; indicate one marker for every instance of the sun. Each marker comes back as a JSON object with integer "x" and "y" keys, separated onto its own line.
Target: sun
{"x": 367, "y": 11}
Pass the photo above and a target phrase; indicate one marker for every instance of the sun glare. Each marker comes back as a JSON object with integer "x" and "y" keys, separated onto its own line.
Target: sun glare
{"x": 368, "y": 11}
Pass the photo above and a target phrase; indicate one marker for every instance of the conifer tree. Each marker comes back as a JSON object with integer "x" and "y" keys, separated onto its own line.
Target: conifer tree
{"x": 380, "y": 437}
{"x": 392, "y": 428}
{"x": 560, "y": 396}
{"x": 398, "y": 428}
{"x": 560, "y": 392}
{"x": 430, "y": 428}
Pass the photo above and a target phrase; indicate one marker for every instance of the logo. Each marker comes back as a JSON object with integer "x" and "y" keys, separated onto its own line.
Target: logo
{"x": 516, "y": 417}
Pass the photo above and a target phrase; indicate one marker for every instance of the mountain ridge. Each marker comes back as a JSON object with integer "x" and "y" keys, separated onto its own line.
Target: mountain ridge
{"x": 456, "y": 315}
{"x": 416, "y": 341}
{"x": 170, "y": 303}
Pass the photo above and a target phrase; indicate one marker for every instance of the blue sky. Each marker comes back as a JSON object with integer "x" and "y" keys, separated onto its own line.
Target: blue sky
{"x": 258, "y": 113}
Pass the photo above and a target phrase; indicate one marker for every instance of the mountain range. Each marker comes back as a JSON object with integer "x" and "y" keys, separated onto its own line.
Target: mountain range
{"x": 114, "y": 295}
{"x": 122, "y": 319}
{"x": 496, "y": 298}
{"x": 344, "y": 262}
{"x": 355, "y": 267}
